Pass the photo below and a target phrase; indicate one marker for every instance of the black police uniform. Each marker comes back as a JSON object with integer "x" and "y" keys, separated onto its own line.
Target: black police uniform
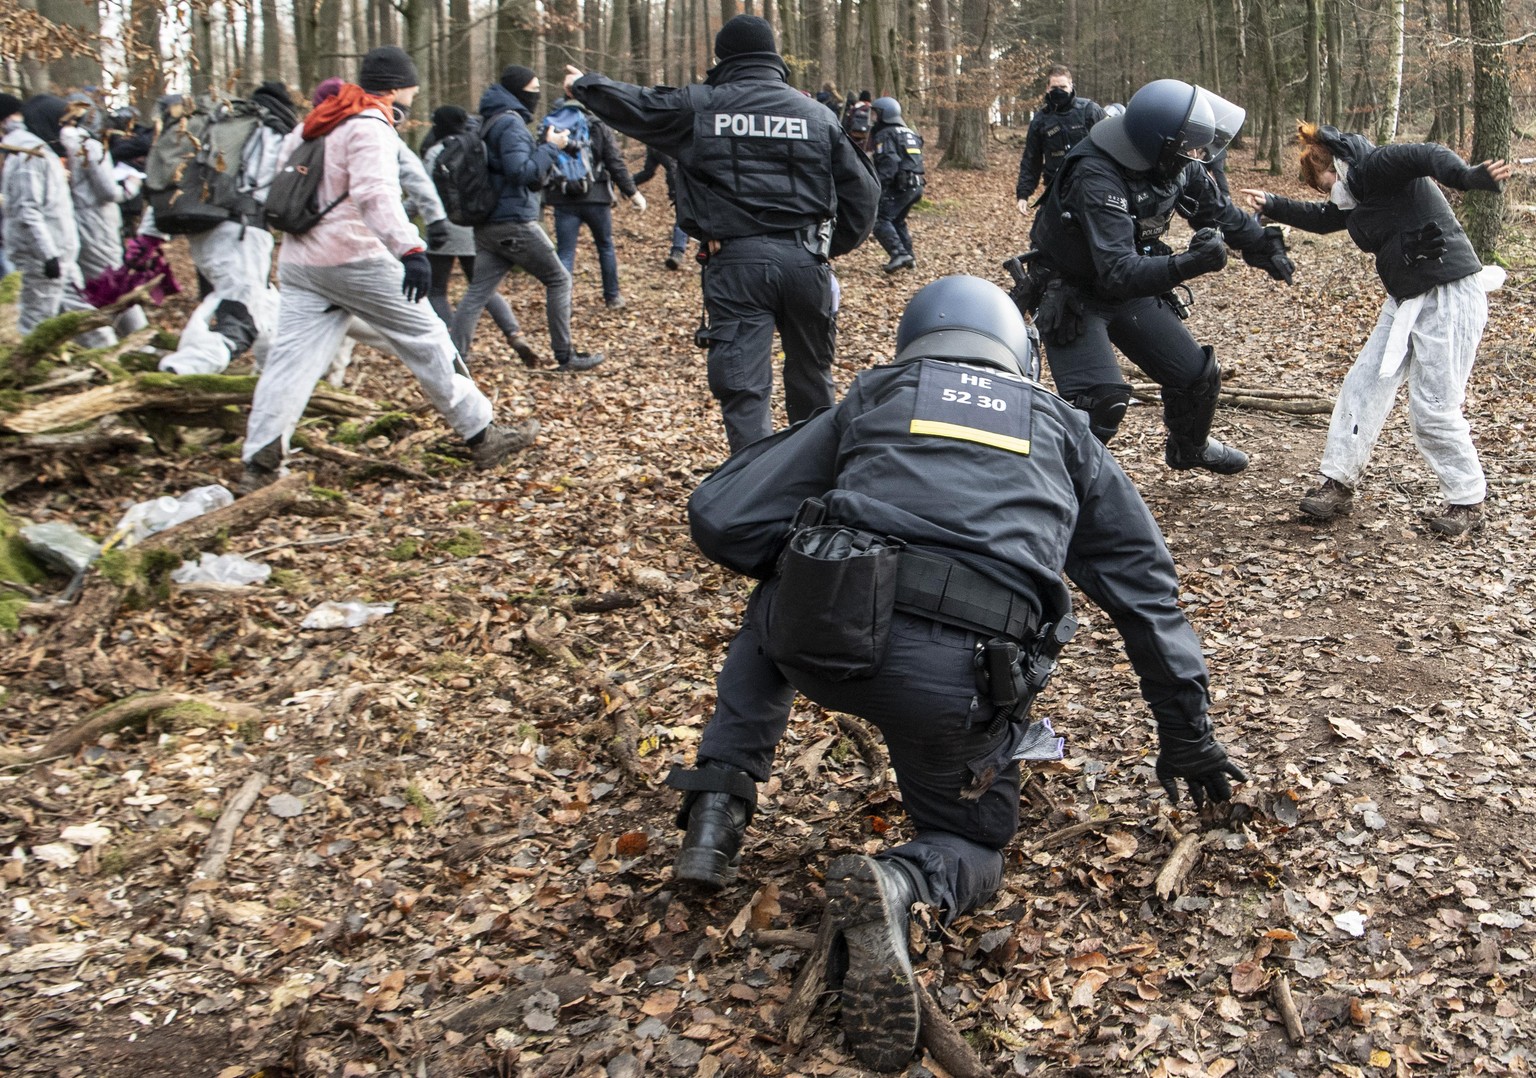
{"x": 1100, "y": 231}
{"x": 768, "y": 181}
{"x": 898, "y": 157}
{"x": 1052, "y": 133}
{"x": 1002, "y": 479}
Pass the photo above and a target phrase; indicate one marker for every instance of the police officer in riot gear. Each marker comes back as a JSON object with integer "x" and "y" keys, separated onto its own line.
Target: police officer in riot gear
{"x": 771, "y": 186}
{"x": 1053, "y": 131}
{"x": 946, "y": 493}
{"x": 1103, "y": 276}
{"x": 898, "y": 157}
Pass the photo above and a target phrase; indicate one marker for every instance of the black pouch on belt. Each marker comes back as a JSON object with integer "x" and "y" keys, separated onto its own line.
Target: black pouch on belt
{"x": 831, "y": 613}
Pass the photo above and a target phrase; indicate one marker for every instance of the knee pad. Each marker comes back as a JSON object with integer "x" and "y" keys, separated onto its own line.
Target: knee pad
{"x": 232, "y": 320}
{"x": 1105, "y": 405}
{"x": 1205, "y": 385}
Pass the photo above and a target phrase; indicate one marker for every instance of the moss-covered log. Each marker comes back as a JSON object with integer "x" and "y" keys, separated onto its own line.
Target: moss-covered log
{"x": 173, "y": 709}
{"x": 172, "y": 392}
{"x": 52, "y": 334}
{"x": 16, "y": 567}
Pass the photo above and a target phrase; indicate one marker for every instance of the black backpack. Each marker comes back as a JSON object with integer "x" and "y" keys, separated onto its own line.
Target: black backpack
{"x": 293, "y": 200}
{"x": 462, "y": 175}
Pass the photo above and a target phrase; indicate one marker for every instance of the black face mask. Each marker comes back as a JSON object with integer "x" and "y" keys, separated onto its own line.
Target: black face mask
{"x": 529, "y": 99}
{"x": 402, "y": 112}
{"x": 1058, "y": 98}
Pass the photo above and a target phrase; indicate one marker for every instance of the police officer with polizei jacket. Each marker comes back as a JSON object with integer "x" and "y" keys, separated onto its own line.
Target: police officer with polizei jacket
{"x": 1053, "y": 131}
{"x": 772, "y": 188}
{"x": 1102, "y": 278}
{"x": 898, "y": 157}
{"x": 934, "y": 510}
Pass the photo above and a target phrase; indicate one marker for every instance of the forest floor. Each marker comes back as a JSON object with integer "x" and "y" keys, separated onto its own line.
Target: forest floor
{"x": 457, "y": 864}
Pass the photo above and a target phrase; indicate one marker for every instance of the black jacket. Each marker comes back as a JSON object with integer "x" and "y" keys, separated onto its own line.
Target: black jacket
{"x": 1110, "y": 242}
{"x": 897, "y": 152}
{"x": 516, "y": 165}
{"x": 1396, "y": 194}
{"x": 1052, "y": 134}
{"x": 608, "y": 168}
{"x": 1045, "y": 498}
{"x": 656, "y": 161}
{"x": 755, "y": 157}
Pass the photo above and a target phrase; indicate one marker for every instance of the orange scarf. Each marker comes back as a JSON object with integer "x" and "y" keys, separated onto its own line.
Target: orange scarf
{"x": 346, "y": 103}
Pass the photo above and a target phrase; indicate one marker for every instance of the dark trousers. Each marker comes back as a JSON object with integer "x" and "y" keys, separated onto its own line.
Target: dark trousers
{"x": 924, "y": 703}
{"x": 598, "y": 217}
{"x": 1146, "y": 330}
{"x": 891, "y": 219}
{"x": 750, "y": 286}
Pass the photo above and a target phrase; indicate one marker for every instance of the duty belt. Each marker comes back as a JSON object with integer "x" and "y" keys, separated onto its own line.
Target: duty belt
{"x": 955, "y": 594}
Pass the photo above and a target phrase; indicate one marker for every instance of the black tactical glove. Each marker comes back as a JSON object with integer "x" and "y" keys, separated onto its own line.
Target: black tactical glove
{"x": 418, "y": 276}
{"x": 1480, "y": 179}
{"x": 437, "y": 234}
{"x": 1268, "y": 254}
{"x": 1425, "y": 244}
{"x": 1060, "y": 316}
{"x": 1207, "y": 253}
{"x": 1200, "y": 761}
{"x": 51, "y": 269}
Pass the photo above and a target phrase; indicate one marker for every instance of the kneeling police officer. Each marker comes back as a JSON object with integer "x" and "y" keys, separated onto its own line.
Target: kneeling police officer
{"x": 920, "y": 588}
{"x": 1101, "y": 274}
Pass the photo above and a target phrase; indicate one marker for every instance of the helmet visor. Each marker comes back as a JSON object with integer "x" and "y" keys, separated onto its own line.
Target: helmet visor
{"x": 1226, "y": 121}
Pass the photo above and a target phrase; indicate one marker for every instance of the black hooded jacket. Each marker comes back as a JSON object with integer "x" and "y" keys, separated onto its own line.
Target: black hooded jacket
{"x": 1396, "y": 194}
{"x": 755, "y": 156}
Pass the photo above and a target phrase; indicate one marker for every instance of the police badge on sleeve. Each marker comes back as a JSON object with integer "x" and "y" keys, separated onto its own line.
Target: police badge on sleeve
{"x": 973, "y": 405}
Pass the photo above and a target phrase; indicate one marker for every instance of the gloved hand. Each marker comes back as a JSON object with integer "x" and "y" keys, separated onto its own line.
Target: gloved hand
{"x": 51, "y": 269}
{"x": 1060, "y": 314}
{"x": 1269, "y": 255}
{"x": 1201, "y": 762}
{"x": 638, "y": 200}
{"x": 437, "y": 234}
{"x": 1425, "y": 244}
{"x": 418, "y": 276}
{"x": 1207, "y": 253}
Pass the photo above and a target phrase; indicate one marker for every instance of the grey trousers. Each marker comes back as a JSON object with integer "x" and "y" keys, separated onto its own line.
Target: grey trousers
{"x": 317, "y": 306}
{"x": 924, "y": 702}
{"x": 42, "y": 299}
{"x": 501, "y": 247}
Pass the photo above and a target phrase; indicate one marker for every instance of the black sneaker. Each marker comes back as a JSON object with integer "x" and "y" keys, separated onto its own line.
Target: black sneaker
{"x": 497, "y": 443}
{"x": 899, "y": 262}
{"x": 872, "y": 902}
{"x": 263, "y": 469}
{"x": 674, "y": 260}
{"x": 580, "y": 361}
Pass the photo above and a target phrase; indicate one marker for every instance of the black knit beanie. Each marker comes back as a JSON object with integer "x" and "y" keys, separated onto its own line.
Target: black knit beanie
{"x": 743, "y": 34}
{"x": 388, "y": 67}
{"x": 9, "y": 106}
{"x": 448, "y": 120}
{"x": 515, "y": 76}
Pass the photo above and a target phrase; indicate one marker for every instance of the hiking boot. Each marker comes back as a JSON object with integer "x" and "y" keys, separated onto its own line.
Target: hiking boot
{"x": 899, "y": 262}
{"x": 1458, "y": 519}
{"x": 1330, "y": 499}
{"x": 871, "y": 900}
{"x": 525, "y": 351}
{"x": 579, "y": 361}
{"x": 716, "y": 822}
{"x": 263, "y": 469}
{"x": 673, "y": 261}
{"x": 496, "y": 443}
{"x": 1212, "y": 456}
{"x": 616, "y": 303}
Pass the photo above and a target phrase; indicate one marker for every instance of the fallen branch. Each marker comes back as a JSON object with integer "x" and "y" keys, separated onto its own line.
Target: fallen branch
{"x": 19, "y": 457}
{"x": 810, "y": 984}
{"x": 1077, "y": 830}
{"x": 864, "y": 740}
{"x": 944, "y": 1042}
{"x": 1259, "y": 399}
{"x": 481, "y": 1016}
{"x": 122, "y": 714}
{"x": 1185, "y": 855}
{"x": 222, "y": 838}
{"x": 624, "y": 745}
{"x": 47, "y": 336}
{"x": 175, "y": 392}
{"x": 1285, "y": 1003}
{"x": 784, "y": 937}
{"x": 358, "y": 461}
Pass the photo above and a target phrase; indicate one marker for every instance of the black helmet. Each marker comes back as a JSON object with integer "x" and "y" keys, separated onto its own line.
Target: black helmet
{"x": 967, "y": 319}
{"x": 887, "y": 110}
{"x": 1167, "y": 124}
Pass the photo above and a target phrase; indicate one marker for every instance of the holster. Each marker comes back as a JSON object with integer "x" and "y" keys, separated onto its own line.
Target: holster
{"x": 1010, "y": 676}
{"x": 1029, "y": 281}
{"x": 1179, "y": 305}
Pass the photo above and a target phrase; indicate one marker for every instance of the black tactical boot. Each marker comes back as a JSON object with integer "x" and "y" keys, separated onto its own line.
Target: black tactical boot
{"x": 872, "y": 902}
{"x": 1213, "y": 456}
{"x": 1187, "y": 413}
{"x": 715, "y": 813}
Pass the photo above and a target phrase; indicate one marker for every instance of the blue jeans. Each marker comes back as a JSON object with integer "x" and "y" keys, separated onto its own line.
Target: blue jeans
{"x": 679, "y": 240}
{"x": 598, "y": 217}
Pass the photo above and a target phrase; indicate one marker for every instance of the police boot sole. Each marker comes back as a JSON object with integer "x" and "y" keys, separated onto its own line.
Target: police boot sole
{"x": 706, "y": 868}
{"x": 881, "y": 1014}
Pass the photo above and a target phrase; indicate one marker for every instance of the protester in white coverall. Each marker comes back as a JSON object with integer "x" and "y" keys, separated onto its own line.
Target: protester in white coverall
{"x": 362, "y": 259}
{"x": 94, "y": 189}
{"x": 236, "y": 259}
{"x": 41, "y": 239}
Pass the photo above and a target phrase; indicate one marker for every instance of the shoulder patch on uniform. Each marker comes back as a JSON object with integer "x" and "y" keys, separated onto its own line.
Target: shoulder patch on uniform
{"x": 1117, "y": 202}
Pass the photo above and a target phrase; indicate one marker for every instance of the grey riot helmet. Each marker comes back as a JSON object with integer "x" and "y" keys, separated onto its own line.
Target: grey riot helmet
{"x": 966, "y": 319}
{"x": 887, "y": 110}
{"x": 1168, "y": 124}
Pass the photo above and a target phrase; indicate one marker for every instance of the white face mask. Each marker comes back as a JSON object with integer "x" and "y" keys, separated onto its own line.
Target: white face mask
{"x": 1340, "y": 195}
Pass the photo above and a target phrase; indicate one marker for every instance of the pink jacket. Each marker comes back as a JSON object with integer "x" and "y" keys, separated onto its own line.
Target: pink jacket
{"x": 362, "y": 162}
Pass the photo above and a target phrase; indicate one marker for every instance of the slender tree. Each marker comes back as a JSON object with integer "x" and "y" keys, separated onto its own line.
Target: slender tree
{"x": 968, "y": 142}
{"x": 1492, "y": 118}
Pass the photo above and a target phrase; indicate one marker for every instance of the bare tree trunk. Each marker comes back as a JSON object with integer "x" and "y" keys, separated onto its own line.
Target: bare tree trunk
{"x": 1271, "y": 143}
{"x": 884, "y": 47}
{"x": 1386, "y": 128}
{"x": 1314, "y": 48}
{"x": 563, "y": 39}
{"x": 847, "y": 49}
{"x": 461, "y": 54}
{"x": 1335, "y": 33}
{"x": 968, "y": 144}
{"x": 75, "y": 70}
{"x": 516, "y": 35}
{"x": 1492, "y": 118}
{"x": 941, "y": 58}
{"x": 146, "y": 78}
{"x": 202, "y": 53}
